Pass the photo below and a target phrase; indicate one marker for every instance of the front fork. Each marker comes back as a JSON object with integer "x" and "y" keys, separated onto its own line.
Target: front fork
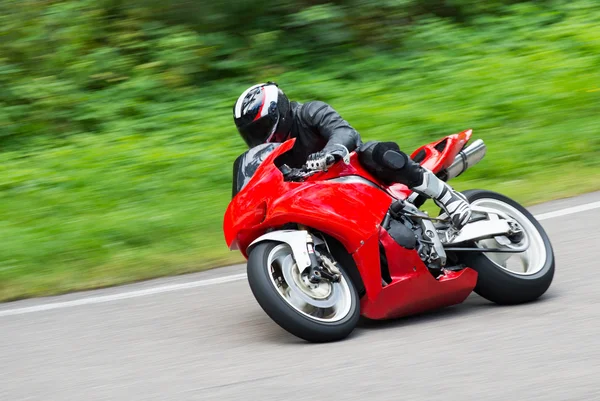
{"x": 312, "y": 264}
{"x": 321, "y": 267}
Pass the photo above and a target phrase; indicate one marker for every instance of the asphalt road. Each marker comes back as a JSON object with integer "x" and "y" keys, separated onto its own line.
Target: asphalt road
{"x": 211, "y": 341}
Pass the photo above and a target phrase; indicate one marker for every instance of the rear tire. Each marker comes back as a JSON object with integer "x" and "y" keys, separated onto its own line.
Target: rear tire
{"x": 498, "y": 284}
{"x": 270, "y": 299}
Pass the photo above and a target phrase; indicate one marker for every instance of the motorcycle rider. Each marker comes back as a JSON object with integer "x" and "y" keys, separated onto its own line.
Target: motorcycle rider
{"x": 263, "y": 113}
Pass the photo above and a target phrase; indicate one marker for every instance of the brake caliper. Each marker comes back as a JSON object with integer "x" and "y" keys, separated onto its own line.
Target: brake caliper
{"x": 317, "y": 271}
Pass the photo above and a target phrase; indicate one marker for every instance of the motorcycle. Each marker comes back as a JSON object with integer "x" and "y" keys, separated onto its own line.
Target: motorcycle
{"x": 326, "y": 247}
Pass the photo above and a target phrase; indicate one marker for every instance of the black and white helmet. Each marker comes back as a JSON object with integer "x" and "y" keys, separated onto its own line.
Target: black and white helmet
{"x": 263, "y": 114}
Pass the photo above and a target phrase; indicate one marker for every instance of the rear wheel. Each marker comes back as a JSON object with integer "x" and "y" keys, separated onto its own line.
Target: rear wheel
{"x": 320, "y": 312}
{"x": 511, "y": 278}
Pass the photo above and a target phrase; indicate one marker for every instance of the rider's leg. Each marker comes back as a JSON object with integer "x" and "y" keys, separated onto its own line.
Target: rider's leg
{"x": 395, "y": 165}
{"x": 454, "y": 203}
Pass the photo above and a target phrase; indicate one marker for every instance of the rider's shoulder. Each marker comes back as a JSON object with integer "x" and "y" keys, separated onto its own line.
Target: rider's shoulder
{"x": 315, "y": 105}
{"x": 308, "y": 110}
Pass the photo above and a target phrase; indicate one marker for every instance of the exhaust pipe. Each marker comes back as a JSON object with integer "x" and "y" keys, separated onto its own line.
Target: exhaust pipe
{"x": 466, "y": 158}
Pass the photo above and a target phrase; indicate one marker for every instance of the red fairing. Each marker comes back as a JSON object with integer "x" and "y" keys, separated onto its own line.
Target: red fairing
{"x": 248, "y": 208}
{"x": 349, "y": 211}
{"x": 434, "y": 159}
{"x": 349, "y": 204}
{"x": 413, "y": 288}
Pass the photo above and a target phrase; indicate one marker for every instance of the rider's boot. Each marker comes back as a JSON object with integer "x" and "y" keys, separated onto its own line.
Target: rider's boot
{"x": 424, "y": 182}
{"x": 452, "y": 202}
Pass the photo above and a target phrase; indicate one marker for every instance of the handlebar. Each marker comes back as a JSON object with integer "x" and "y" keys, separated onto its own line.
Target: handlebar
{"x": 296, "y": 174}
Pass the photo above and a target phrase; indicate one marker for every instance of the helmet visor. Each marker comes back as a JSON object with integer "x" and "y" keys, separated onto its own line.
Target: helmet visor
{"x": 259, "y": 131}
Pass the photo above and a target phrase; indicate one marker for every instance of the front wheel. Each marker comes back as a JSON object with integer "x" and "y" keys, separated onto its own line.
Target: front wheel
{"x": 511, "y": 278}
{"x": 320, "y": 312}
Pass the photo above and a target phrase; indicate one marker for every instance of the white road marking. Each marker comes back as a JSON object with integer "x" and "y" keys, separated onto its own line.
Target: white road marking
{"x": 123, "y": 295}
{"x": 219, "y": 280}
{"x": 568, "y": 211}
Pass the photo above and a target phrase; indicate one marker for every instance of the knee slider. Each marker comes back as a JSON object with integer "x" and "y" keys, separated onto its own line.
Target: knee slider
{"x": 388, "y": 154}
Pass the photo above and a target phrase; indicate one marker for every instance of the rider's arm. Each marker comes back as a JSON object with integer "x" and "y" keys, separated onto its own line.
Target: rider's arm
{"x": 322, "y": 118}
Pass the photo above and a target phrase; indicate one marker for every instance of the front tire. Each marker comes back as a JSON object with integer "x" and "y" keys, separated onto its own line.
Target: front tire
{"x": 312, "y": 314}
{"x": 499, "y": 280}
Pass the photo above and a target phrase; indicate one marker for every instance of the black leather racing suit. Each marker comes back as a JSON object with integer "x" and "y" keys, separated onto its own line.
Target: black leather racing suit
{"x": 317, "y": 127}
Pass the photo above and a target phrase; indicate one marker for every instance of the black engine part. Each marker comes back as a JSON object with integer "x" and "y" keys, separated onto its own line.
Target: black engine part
{"x": 403, "y": 235}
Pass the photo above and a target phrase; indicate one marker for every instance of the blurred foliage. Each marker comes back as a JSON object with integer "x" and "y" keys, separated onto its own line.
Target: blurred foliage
{"x": 116, "y": 137}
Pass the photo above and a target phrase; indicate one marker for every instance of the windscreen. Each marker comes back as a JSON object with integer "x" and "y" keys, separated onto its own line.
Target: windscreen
{"x": 247, "y": 163}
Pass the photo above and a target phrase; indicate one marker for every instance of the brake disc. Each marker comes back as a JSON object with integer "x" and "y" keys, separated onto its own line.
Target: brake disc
{"x": 303, "y": 291}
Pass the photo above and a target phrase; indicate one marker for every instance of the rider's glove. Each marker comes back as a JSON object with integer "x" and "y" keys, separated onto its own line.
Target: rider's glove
{"x": 324, "y": 159}
{"x": 320, "y": 161}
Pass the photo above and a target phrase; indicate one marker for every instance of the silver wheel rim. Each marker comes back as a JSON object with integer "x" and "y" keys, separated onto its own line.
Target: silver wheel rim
{"x": 325, "y": 302}
{"x": 524, "y": 263}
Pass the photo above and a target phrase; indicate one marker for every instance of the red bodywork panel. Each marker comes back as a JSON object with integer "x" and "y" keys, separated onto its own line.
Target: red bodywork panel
{"x": 329, "y": 206}
{"x": 349, "y": 204}
{"x": 413, "y": 288}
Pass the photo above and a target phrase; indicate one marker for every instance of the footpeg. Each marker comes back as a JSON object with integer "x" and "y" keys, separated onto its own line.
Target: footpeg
{"x": 397, "y": 207}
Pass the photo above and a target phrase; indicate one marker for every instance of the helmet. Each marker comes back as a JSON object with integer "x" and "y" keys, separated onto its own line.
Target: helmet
{"x": 263, "y": 114}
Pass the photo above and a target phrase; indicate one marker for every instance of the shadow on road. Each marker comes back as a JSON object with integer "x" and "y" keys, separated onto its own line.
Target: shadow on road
{"x": 474, "y": 305}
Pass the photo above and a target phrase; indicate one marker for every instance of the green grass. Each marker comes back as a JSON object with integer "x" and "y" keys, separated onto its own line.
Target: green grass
{"x": 87, "y": 217}
{"x": 98, "y": 243}
{"x": 143, "y": 193}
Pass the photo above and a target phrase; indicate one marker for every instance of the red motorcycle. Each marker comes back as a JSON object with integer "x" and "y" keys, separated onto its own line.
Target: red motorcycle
{"x": 325, "y": 247}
